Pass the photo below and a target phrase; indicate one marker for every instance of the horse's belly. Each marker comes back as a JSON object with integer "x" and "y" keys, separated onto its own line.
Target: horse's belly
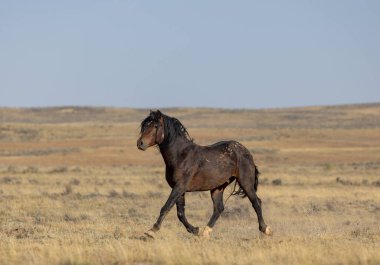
{"x": 208, "y": 180}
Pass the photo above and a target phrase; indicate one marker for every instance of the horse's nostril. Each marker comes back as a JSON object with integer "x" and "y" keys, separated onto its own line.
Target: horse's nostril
{"x": 140, "y": 144}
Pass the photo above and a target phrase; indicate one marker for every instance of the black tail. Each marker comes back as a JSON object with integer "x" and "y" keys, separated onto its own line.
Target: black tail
{"x": 240, "y": 192}
{"x": 257, "y": 173}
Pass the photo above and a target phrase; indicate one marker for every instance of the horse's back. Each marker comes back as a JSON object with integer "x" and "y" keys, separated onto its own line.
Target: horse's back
{"x": 230, "y": 145}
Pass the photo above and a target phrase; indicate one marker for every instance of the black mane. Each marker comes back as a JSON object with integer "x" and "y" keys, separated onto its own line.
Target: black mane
{"x": 173, "y": 129}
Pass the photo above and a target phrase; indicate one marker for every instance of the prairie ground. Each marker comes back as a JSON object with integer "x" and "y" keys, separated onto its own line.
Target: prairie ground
{"x": 74, "y": 189}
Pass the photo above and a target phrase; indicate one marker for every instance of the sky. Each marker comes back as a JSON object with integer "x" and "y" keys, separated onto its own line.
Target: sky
{"x": 223, "y": 54}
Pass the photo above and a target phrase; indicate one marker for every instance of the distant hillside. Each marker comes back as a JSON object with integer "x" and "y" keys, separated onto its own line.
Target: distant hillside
{"x": 341, "y": 116}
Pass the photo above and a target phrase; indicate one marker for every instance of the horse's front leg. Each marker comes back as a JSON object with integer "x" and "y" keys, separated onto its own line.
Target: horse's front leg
{"x": 173, "y": 197}
{"x": 181, "y": 215}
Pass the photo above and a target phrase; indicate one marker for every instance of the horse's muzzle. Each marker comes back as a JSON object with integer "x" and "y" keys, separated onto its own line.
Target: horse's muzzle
{"x": 140, "y": 145}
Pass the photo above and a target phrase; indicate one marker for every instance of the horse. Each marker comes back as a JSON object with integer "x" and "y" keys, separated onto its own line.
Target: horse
{"x": 191, "y": 167}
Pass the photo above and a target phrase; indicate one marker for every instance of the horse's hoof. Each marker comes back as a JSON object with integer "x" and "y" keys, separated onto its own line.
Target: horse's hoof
{"x": 149, "y": 234}
{"x": 268, "y": 231}
{"x": 206, "y": 232}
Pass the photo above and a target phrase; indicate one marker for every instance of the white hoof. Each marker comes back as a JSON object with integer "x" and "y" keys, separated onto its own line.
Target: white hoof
{"x": 150, "y": 234}
{"x": 268, "y": 231}
{"x": 206, "y": 232}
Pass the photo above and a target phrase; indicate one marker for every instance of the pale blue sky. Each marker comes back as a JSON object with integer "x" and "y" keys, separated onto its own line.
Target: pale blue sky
{"x": 234, "y": 54}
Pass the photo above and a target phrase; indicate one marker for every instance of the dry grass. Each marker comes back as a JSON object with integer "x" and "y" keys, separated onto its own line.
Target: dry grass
{"x": 75, "y": 190}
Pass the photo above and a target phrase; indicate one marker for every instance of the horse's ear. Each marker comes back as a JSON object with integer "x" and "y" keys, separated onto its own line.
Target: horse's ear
{"x": 151, "y": 113}
{"x": 155, "y": 114}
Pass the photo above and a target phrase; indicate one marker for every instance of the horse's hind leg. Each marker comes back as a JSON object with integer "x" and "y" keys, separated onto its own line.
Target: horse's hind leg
{"x": 181, "y": 216}
{"x": 217, "y": 199}
{"x": 247, "y": 183}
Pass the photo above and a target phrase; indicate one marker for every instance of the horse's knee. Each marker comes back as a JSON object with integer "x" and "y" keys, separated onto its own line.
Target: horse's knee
{"x": 220, "y": 208}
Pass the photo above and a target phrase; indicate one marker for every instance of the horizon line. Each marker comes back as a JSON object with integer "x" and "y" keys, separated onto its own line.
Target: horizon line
{"x": 188, "y": 107}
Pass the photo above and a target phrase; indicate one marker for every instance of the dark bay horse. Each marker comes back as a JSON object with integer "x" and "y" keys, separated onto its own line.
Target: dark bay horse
{"x": 190, "y": 167}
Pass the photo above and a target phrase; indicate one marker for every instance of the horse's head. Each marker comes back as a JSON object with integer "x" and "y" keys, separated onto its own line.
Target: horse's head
{"x": 152, "y": 130}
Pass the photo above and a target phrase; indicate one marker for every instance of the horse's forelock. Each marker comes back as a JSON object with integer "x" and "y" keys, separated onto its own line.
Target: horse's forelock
{"x": 154, "y": 116}
{"x": 145, "y": 123}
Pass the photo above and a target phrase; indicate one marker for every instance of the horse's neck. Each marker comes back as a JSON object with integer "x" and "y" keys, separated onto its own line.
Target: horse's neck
{"x": 171, "y": 151}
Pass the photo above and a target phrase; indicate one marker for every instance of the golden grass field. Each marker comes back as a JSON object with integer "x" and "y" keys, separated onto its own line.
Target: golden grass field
{"x": 74, "y": 189}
